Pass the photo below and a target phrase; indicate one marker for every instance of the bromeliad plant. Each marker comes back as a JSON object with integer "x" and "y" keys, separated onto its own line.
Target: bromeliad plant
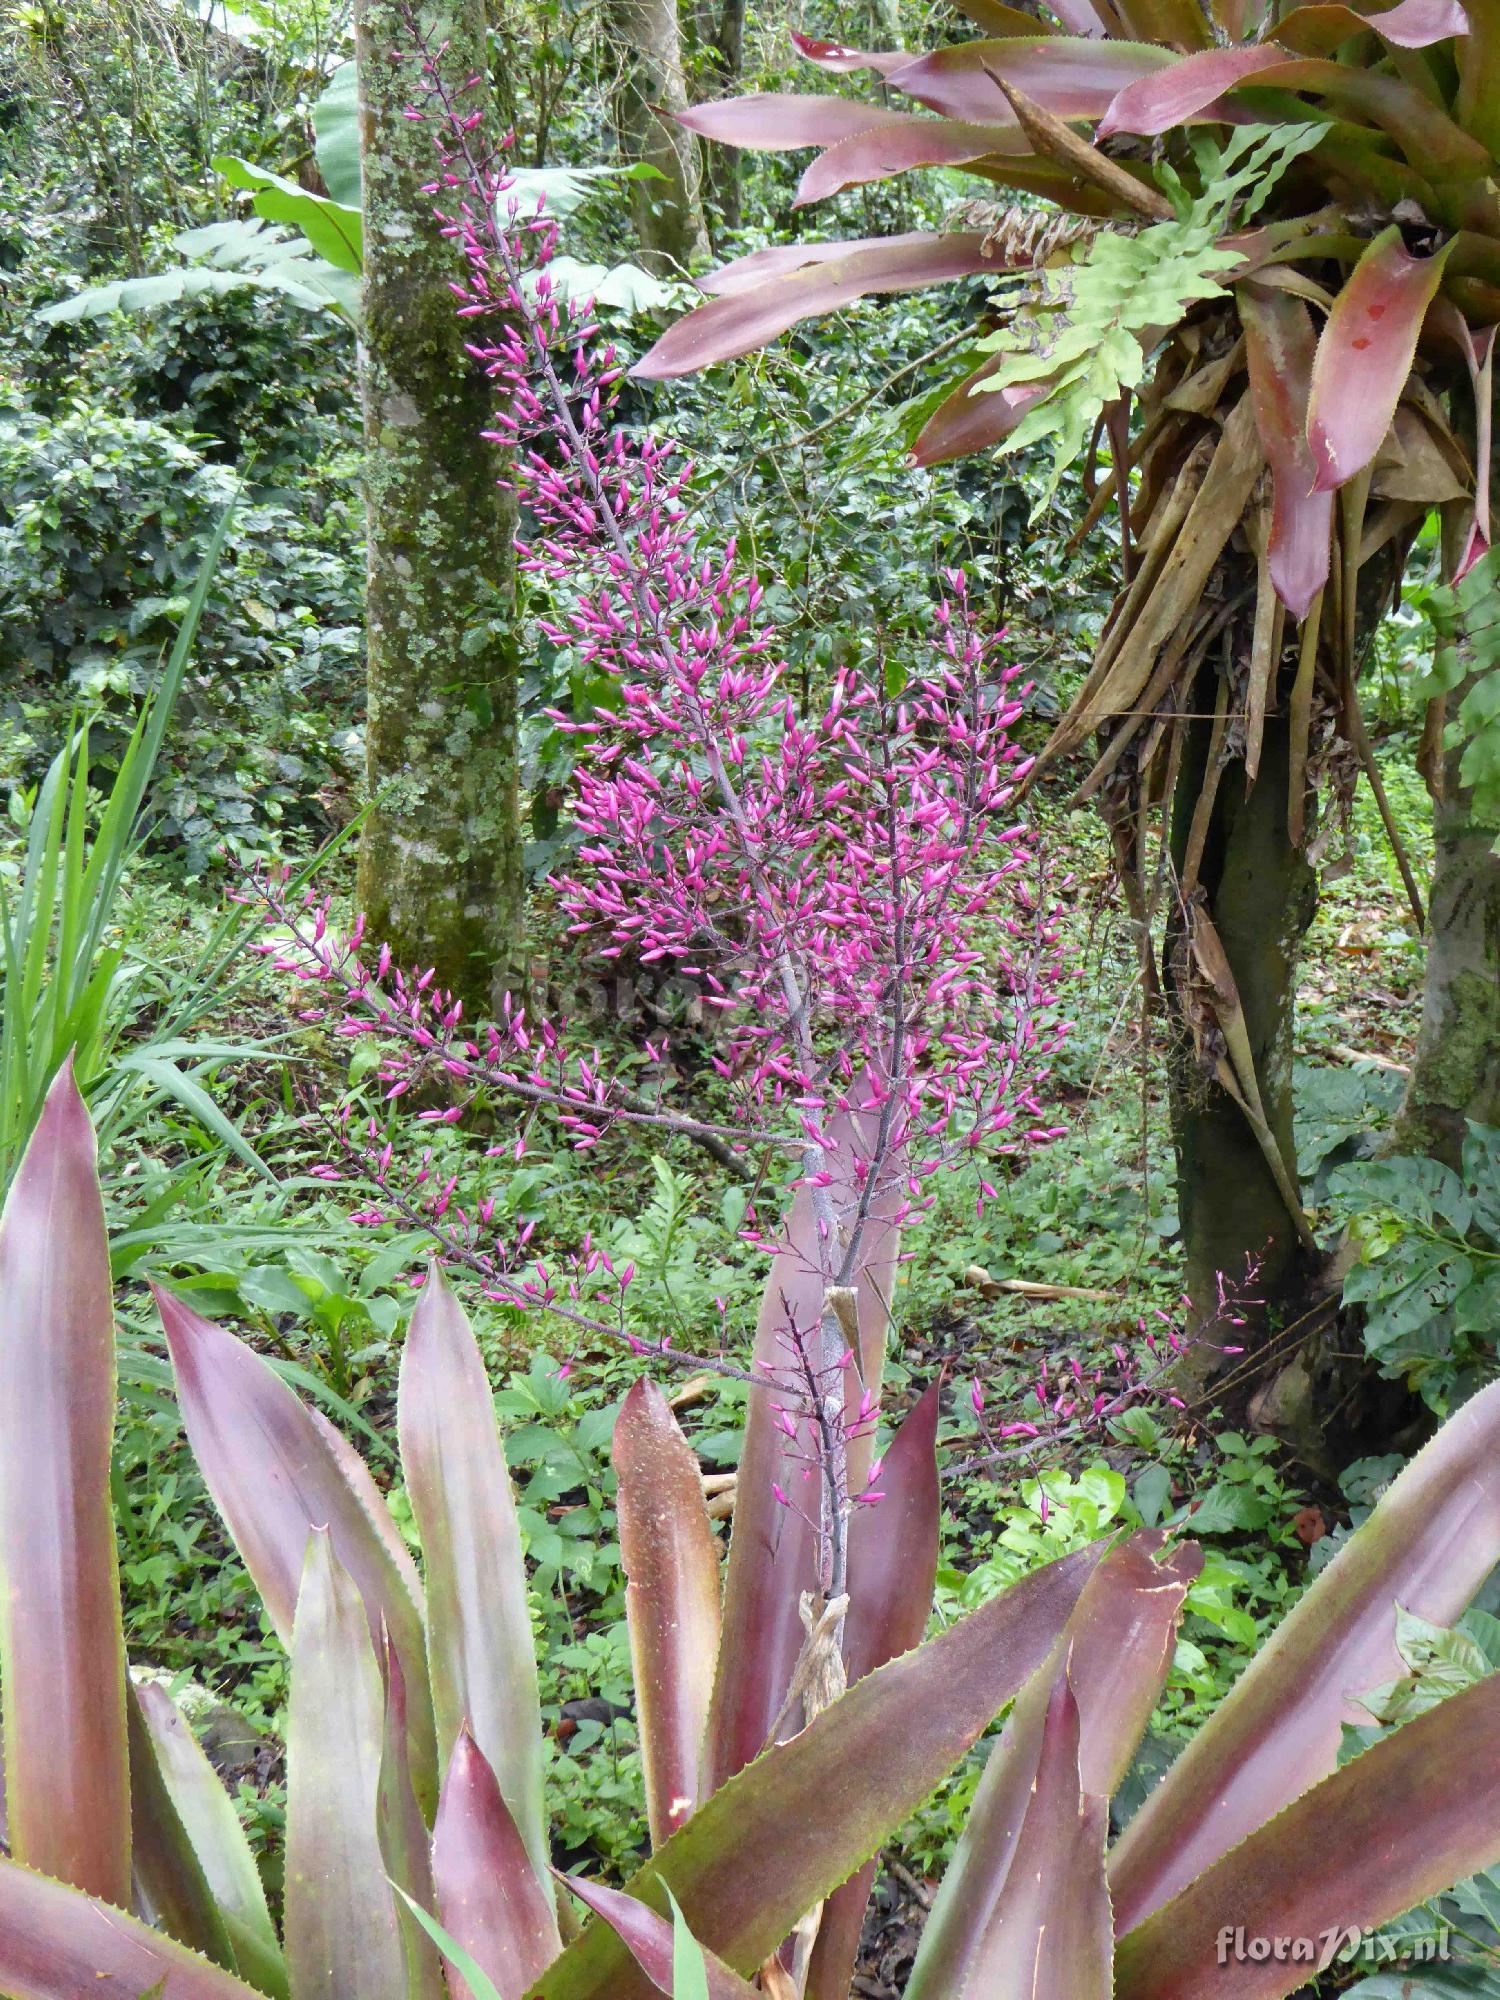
{"x": 1276, "y": 240}
{"x": 416, "y": 1849}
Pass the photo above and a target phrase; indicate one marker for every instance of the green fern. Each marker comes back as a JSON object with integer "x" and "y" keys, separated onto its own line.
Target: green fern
{"x": 1083, "y": 327}
{"x": 1466, "y": 617}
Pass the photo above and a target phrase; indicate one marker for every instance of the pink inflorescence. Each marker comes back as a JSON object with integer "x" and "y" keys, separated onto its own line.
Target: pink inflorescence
{"x": 845, "y": 890}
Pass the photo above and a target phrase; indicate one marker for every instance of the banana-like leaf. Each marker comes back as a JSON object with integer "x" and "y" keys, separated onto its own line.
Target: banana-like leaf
{"x": 58, "y": 1944}
{"x": 649, "y": 1940}
{"x": 1112, "y": 1660}
{"x": 782, "y": 1835}
{"x": 342, "y": 1938}
{"x": 62, "y": 1651}
{"x": 1280, "y": 343}
{"x": 401, "y": 1833}
{"x": 1412, "y": 1815}
{"x": 893, "y": 1552}
{"x": 880, "y": 152}
{"x": 480, "y": 1652}
{"x": 773, "y": 1553}
{"x": 212, "y": 1825}
{"x": 275, "y": 1479}
{"x": 169, "y": 1881}
{"x": 964, "y": 422}
{"x": 1317, "y": 29}
{"x": 333, "y": 228}
{"x": 741, "y": 320}
{"x": 490, "y": 1899}
{"x": 1429, "y": 1544}
{"x": 1365, "y": 354}
{"x": 1040, "y": 1915}
{"x": 770, "y": 121}
{"x": 671, "y": 1599}
{"x": 1070, "y": 77}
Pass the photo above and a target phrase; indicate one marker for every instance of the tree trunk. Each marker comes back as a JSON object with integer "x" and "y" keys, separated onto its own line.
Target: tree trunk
{"x": 667, "y": 212}
{"x": 440, "y": 863}
{"x": 725, "y": 52}
{"x": 1456, "y": 1069}
{"x": 1260, "y": 893}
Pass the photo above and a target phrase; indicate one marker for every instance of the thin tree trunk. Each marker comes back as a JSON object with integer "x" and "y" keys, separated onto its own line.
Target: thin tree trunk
{"x": 667, "y": 212}
{"x": 440, "y": 873}
{"x": 1456, "y": 1068}
{"x": 726, "y": 65}
{"x": 1261, "y": 895}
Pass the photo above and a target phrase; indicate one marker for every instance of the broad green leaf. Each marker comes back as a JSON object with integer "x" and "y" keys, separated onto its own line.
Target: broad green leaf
{"x": 335, "y": 118}
{"x": 479, "y": 1646}
{"x": 342, "y": 1939}
{"x": 62, "y": 1650}
{"x": 335, "y": 230}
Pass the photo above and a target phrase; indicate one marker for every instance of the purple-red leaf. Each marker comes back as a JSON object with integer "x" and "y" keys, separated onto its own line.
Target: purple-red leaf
{"x": 1046, "y": 1926}
{"x": 649, "y": 1940}
{"x": 62, "y": 1653}
{"x": 1113, "y": 1657}
{"x": 1192, "y": 87}
{"x": 904, "y": 141}
{"x": 785, "y": 1833}
{"x": 1403, "y": 1821}
{"x": 748, "y": 317}
{"x": 964, "y": 422}
{"x": 489, "y": 1898}
{"x": 342, "y": 1938}
{"x": 1365, "y": 355}
{"x": 401, "y": 1833}
{"x": 779, "y": 121}
{"x": 1072, "y": 78}
{"x": 773, "y": 1548}
{"x": 275, "y": 1479}
{"x": 671, "y": 1599}
{"x": 1431, "y": 1541}
{"x": 170, "y": 1885}
{"x": 58, "y": 1944}
{"x": 212, "y": 1825}
{"x": 842, "y": 60}
{"x": 480, "y": 1652}
{"x": 1317, "y": 29}
{"x": 893, "y": 1553}
{"x": 1280, "y": 342}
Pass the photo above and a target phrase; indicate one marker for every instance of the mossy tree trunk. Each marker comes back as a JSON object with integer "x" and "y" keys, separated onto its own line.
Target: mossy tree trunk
{"x": 667, "y": 211}
{"x": 1456, "y": 1068}
{"x": 440, "y": 861}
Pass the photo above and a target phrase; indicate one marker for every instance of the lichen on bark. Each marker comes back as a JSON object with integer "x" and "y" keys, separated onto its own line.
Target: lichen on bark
{"x": 440, "y": 858}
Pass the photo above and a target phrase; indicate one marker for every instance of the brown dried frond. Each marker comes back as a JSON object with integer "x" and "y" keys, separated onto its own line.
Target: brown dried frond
{"x": 1021, "y": 236}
